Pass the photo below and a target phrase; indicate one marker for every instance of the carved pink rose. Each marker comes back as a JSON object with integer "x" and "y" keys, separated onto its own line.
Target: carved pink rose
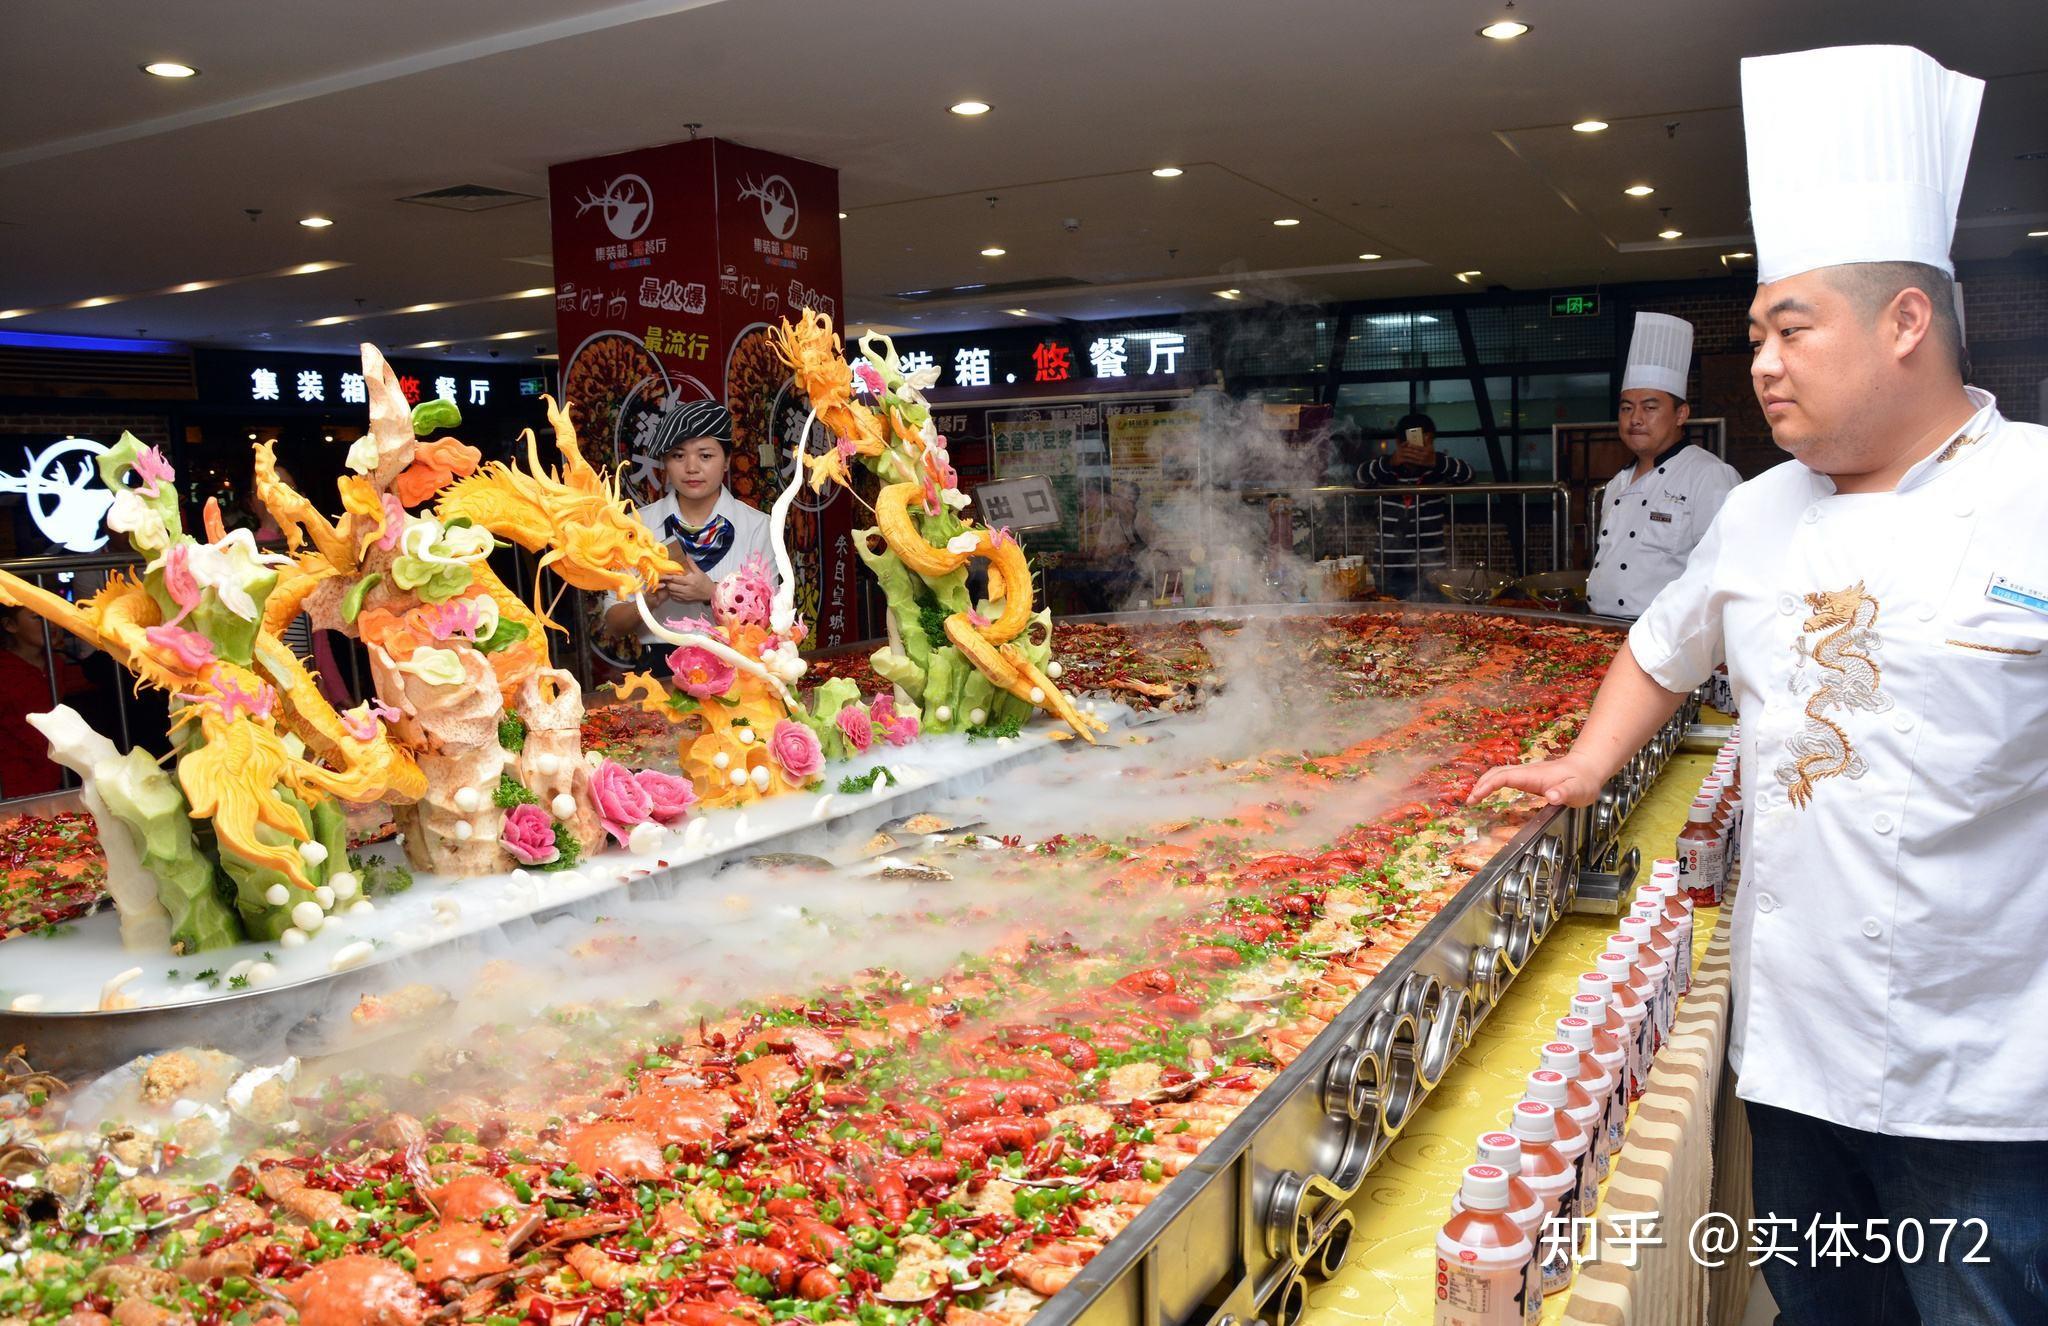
{"x": 530, "y": 835}
{"x": 669, "y": 797}
{"x": 869, "y": 378}
{"x": 902, "y": 731}
{"x": 620, "y": 800}
{"x": 795, "y": 747}
{"x": 699, "y": 673}
{"x": 856, "y": 727}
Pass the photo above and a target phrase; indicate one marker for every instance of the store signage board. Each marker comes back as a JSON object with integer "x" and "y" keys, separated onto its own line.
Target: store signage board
{"x": 1006, "y": 359}
{"x": 1575, "y": 306}
{"x": 1024, "y": 503}
{"x": 333, "y": 384}
{"x": 672, "y": 266}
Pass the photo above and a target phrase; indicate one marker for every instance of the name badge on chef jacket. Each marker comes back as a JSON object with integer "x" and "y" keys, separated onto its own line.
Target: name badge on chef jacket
{"x": 1661, "y": 517}
{"x": 2007, "y": 590}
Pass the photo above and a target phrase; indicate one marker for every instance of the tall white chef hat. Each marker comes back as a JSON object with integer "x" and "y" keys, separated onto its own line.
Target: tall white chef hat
{"x": 1659, "y": 355}
{"x": 1856, "y": 154}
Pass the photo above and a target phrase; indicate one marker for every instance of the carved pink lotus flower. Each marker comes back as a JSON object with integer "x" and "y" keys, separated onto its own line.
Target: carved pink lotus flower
{"x": 699, "y": 673}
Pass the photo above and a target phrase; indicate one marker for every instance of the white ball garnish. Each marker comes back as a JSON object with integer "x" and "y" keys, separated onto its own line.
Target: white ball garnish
{"x": 307, "y": 915}
{"x": 563, "y": 805}
{"x": 746, "y": 736}
{"x": 463, "y": 833}
{"x": 292, "y": 938}
{"x": 447, "y": 909}
{"x": 362, "y": 907}
{"x": 547, "y": 764}
{"x": 261, "y": 973}
{"x": 277, "y": 895}
{"x": 761, "y": 776}
{"x": 313, "y": 853}
{"x": 344, "y": 883}
{"x": 646, "y": 839}
{"x": 739, "y": 778}
{"x": 720, "y": 760}
{"x": 1038, "y": 695}
{"x": 28, "y": 1003}
{"x": 944, "y": 713}
{"x": 466, "y": 799}
{"x": 1054, "y": 669}
{"x": 977, "y": 716}
{"x": 324, "y": 895}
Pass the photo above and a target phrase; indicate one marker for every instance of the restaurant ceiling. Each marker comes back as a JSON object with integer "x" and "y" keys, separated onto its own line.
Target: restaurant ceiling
{"x": 1381, "y": 127}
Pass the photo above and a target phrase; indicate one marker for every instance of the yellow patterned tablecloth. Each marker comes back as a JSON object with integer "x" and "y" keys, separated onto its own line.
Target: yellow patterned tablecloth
{"x": 1389, "y": 1273}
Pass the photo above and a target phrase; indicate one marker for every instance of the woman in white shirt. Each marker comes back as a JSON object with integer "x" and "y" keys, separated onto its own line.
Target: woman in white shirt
{"x": 711, "y": 532}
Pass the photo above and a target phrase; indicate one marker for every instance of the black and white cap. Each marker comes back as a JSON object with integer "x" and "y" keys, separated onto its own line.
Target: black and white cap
{"x": 692, "y": 419}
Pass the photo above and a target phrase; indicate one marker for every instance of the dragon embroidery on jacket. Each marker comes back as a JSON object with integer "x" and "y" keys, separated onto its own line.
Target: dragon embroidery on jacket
{"x": 1847, "y": 678}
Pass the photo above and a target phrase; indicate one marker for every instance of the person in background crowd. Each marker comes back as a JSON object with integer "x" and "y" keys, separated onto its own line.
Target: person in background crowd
{"x": 1414, "y": 529}
{"x": 1882, "y": 601}
{"x": 1655, "y": 511}
{"x": 707, "y": 529}
{"x": 27, "y": 650}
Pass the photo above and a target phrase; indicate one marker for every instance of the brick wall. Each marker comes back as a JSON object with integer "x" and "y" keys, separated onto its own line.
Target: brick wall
{"x": 154, "y": 429}
{"x": 2005, "y": 317}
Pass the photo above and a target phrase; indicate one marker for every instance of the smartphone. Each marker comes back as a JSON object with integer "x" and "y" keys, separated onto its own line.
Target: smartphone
{"x": 1415, "y": 437}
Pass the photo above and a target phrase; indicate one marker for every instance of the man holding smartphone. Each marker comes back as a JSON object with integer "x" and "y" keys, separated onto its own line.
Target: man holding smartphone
{"x": 1414, "y": 527}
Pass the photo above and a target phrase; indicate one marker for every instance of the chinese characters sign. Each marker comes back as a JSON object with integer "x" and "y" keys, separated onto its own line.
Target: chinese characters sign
{"x": 672, "y": 264}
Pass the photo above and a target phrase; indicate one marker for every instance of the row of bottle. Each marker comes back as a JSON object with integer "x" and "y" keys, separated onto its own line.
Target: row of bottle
{"x": 1711, "y": 840}
{"x": 1498, "y": 1258}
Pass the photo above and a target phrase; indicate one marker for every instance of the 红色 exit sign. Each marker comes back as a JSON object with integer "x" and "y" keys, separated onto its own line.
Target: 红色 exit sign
{"x": 1574, "y": 306}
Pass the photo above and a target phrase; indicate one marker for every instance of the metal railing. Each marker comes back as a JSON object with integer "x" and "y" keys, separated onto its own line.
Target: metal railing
{"x": 1347, "y": 521}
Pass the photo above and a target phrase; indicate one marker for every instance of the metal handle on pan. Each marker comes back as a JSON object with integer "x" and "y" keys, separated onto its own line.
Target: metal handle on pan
{"x": 1448, "y": 1034}
{"x": 1391, "y": 1036}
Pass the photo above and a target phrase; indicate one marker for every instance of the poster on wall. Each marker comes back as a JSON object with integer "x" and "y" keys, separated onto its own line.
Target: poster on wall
{"x": 672, "y": 265}
{"x": 1156, "y": 469}
{"x": 1049, "y": 442}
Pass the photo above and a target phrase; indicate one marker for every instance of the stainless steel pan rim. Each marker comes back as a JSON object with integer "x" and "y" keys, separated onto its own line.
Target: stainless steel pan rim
{"x": 1392, "y": 1037}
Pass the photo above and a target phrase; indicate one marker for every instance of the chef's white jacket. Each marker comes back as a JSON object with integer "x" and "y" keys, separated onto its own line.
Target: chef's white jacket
{"x": 1887, "y": 650}
{"x": 750, "y": 538}
{"x": 1650, "y": 525}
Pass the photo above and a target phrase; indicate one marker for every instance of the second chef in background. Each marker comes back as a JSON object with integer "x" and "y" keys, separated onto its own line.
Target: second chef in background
{"x": 1656, "y": 511}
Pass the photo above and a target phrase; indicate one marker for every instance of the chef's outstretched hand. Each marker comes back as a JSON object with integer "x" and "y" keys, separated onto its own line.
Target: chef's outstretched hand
{"x": 1561, "y": 782}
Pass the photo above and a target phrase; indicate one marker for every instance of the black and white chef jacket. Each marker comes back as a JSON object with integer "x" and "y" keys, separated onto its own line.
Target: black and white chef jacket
{"x": 1889, "y": 653}
{"x": 1649, "y": 526}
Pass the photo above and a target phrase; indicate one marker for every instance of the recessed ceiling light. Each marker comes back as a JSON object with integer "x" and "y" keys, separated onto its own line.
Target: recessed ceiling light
{"x": 1739, "y": 254}
{"x": 308, "y": 268}
{"x": 534, "y": 292}
{"x": 329, "y": 322}
{"x": 993, "y": 251}
{"x": 514, "y": 335}
{"x": 1018, "y": 312}
{"x": 1369, "y": 257}
{"x": 1167, "y": 172}
{"x": 969, "y": 108}
{"x": 2037, "y": 234}
{"x": 95, "y": 302}
{"x": 1287, "y": 221}
{"x": 1589, "y": 126}
{"x": 14, "y": 313}
{"x": 1466, "y": 277}
{"x": 315, "y": 222}
{"x": 1669, "y": 233}
{"x": 1506, "y": 29}
{"x": 420, "y": 308}
{"x": 169, "y": 69}
{"x": 428, "y": 345}
{"x": 1639, "y": 190}
{"x": 842, "y": 216}
{"x": 1229, "y": 294}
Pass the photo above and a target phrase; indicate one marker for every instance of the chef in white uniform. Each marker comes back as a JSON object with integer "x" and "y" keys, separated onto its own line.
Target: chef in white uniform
{"x": 1882, "y": 601}
{"x": 1655, "y": 512}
